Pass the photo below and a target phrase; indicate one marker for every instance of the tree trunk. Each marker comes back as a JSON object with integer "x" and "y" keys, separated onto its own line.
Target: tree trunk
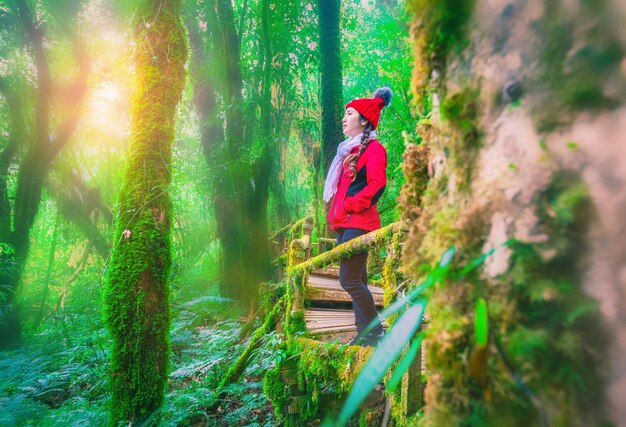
{"x": 45, "y": 293}
{"x": 258, "y": 247}
{"x": 27, "y": 199}
{"x": 136, "y": 308}
{"x": 33, "y": 168}
{"x": 331, "y": 80}
{"x": 232, "y": 188}
{"x": 331, "y": 92}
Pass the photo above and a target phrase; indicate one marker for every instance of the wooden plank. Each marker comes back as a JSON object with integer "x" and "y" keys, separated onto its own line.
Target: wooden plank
{"x": 331, "y": 271}
{"x": 324, "y": 289}
{"x": 324, "y": 321}
{"x": 329, "y": 320}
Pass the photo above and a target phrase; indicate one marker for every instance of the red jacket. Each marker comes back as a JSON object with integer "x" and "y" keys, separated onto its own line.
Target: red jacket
{"x": 354, "y": 204}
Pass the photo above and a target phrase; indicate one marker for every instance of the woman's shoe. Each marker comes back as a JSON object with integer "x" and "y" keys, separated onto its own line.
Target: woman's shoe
{"x": 372, "y": 339}
{"x": 357, "y": 340}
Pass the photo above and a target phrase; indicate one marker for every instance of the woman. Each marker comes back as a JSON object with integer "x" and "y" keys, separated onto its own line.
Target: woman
{"x": 356, "y": 179}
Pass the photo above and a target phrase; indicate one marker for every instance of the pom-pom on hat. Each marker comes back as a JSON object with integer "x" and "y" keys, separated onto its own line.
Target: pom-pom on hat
{"x": 370, "y": 108}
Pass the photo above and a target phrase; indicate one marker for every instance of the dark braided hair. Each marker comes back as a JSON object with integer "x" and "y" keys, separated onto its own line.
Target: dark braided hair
{"x": 351, "y": 159}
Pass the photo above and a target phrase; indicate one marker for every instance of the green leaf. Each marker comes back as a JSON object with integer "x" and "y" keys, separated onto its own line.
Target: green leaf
{"x": 581, "y": 310}
{"x": 399, "y": 304}
{"x": 447, "y": 256}
{"x": 383, "y": 357}
{"x": 405, "y": 363}
{"x": 477, "y": 262}
{"x": 436, "y": 275}
{"x": 481, "y": 323}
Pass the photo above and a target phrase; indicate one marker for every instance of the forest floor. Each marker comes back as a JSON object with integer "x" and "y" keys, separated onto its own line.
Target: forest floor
{"x": 58, "y": 378}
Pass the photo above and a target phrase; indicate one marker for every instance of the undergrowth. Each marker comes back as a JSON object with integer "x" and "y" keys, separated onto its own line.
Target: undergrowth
{"x": 59, "y": 377}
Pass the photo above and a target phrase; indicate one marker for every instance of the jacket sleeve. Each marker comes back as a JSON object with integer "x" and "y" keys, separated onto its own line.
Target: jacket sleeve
{"x": 376, "y": 172}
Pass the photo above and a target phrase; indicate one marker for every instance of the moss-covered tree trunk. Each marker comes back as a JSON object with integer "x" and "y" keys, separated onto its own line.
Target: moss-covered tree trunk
{"x": 520, "y": 126}
{"x": 136, "y": 307}
{"x": 240, "y": 179}
{"x": 331, "y": 87}
{"x": 232, "y": 183}
{"x": 258, "y": 249}
{"x": 331, "y": 79}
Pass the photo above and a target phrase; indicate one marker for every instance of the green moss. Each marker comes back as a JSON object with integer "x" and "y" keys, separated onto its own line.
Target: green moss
{"x": 364, "y": 243}
{"x": 300, "y": 241}
{"x": 441, "y": 26}
{"x": 447, "y": 220}
{"x": 462, "y": 112}
{"x": 548, "y": 333}
{"x": 415, "y": 170}
{"x": 297, "y": 324}
{"x": 573, "y": 80}
{"x": 391, "y": 270}
{"x": 270, "y": 293}
{"x": 565, "y": 202}
{"x": 322, "y": 374}
{"x": 555, "y": 341}
{"x": 136, "y": 307}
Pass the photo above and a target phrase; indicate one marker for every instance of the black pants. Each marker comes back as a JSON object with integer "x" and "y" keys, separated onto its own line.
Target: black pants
{"x": 353, "y": 278}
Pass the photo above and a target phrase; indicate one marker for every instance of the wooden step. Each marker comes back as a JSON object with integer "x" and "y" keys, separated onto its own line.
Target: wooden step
{"x": 324, "y": 289}
{"x": 330, "y": 324}
{"x": 331, "y": 271}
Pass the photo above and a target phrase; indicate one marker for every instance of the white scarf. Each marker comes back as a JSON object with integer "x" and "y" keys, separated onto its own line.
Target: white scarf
{"x": 334, "y": 172}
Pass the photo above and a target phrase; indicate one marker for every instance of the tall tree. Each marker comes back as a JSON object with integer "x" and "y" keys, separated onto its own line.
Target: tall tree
{"x": 231, "y": 184}
{"x": 331, "y": 78}
{"x": 331, "y": 81}
{"x": 32, "y": 146}
{"x": 240, "y": 157}
{"x": 136, "y": 307}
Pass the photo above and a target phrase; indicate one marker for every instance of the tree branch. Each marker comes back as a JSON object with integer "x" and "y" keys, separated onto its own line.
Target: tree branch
{"x": 36, "y": 35}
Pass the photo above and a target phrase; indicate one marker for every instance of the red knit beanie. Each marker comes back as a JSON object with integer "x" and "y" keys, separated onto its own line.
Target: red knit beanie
{"x": 370, "y": 108}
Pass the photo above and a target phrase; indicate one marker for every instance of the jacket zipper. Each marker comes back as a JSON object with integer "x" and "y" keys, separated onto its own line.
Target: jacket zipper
{"x": 348, "y": 218}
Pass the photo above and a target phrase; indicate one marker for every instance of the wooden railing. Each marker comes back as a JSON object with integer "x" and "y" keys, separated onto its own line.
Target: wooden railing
{"x": 300, "y": 267}
{"x": 299, "y": 294}
{"x": 300, "y": 248}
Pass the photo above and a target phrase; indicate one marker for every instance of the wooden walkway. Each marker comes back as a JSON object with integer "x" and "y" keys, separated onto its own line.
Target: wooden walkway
{"x": 330, "y": 316}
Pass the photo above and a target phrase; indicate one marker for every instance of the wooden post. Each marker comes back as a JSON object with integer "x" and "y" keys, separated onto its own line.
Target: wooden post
{"x": 412, "y": 388}
{"x": 300, "y": 249}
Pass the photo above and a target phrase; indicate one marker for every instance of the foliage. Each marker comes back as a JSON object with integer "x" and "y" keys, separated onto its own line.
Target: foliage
{"x": 376, "y": 56}
{"x": 56, "y": 384}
